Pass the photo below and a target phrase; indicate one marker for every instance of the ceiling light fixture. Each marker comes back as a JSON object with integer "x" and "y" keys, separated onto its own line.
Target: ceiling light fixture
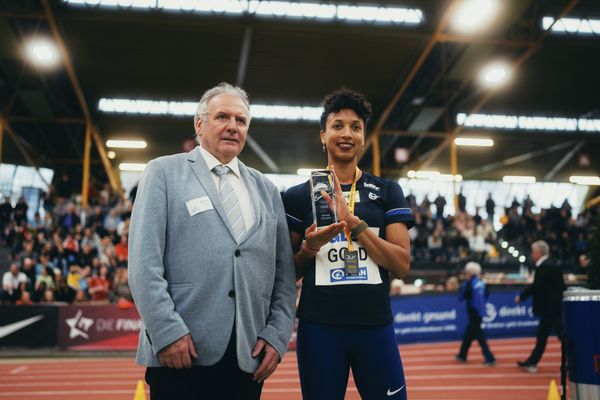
{"x": 495, "y": 74}
{"x": 42, "y": 52}
{"x": 126, "y": 144}
{"x": 274, "y": 9}
{"x": 434, "y": 176}
{"x": 188, "y": 108}
{"x": 474, "y": 15}
{"x": 572, "y": 25}
{"x": 518, "y": 179}
{"x": 134, "y": 167}
{"x": 528, "y": 123}
{"x": 585, "y": 180}
{"x": 476, "y": 142}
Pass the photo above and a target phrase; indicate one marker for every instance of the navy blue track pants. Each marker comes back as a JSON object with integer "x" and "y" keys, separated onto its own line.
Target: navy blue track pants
{"x": 327, "y": 352}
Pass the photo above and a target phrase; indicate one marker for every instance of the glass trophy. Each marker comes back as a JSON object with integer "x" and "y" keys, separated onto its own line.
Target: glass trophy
{"x": 322, "y": 182}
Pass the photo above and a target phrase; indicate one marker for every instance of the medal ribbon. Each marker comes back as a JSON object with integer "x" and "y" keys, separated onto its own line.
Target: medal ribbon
{"x": 347, "y": 232}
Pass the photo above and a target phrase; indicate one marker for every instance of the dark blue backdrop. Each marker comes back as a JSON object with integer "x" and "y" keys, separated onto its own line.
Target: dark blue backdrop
{"x": 439, "y": 317}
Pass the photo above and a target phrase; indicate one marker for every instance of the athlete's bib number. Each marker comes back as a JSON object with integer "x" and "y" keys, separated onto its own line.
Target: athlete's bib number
{"x": 329, "y": 264}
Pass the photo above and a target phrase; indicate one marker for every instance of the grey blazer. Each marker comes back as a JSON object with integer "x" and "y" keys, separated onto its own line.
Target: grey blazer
{"x": 188, "y": 274}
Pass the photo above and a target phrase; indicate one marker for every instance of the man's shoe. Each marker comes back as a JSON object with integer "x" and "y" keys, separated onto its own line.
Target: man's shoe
{"x": 489, "y": 363}
{"x": 460, "y": 359}
{"x": 527, "y": 366}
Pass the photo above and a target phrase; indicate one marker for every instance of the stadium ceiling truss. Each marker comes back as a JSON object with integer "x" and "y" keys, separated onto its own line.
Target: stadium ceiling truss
{"x": 437, "y": 77}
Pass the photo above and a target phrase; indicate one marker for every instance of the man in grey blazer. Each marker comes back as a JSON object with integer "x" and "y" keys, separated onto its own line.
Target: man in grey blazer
{"x": 211, "y": 268}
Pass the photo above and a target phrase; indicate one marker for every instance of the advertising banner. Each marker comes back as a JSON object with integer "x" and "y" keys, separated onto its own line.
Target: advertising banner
{"x": 98, "y": 328}
{"x": 439, "y": 317}
{"x": 28, "y": 326}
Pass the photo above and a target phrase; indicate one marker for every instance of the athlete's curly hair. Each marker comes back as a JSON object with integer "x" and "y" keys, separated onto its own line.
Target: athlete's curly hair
{"x": 346, "y": 98}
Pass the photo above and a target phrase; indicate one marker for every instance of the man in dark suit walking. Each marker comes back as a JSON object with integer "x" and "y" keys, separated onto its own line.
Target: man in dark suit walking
{"x": 547, "y": 292}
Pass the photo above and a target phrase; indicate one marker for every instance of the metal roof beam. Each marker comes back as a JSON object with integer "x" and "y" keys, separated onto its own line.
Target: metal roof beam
{"x": 62, "y": 48}
{"x": 492, "y": 91}
{"x": 15, "y": 138}
{"x": 433, "y": 40}
{"x": 241, "y": 77}
{"x": 517, "y": 159}
{"x": 563, "y": 161}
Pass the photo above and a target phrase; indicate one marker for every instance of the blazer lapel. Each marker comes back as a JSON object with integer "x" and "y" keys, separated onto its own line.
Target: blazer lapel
{"x": 204, "y": 176}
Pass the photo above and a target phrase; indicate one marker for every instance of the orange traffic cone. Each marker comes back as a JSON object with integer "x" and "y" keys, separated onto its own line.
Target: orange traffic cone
{"x": 553, "y": 393}
{"x": 140, "y": 391}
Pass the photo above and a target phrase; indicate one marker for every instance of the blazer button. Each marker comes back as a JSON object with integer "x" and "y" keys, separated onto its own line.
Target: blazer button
{"x": 232, "y": 293}
{"x": 237, "y": 253}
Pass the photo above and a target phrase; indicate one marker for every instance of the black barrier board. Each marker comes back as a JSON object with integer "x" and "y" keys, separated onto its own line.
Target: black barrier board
{"x": 28, "y": 326}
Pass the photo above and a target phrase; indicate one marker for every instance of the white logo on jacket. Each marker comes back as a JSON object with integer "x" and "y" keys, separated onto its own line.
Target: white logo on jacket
{"x": 371, "y": 186}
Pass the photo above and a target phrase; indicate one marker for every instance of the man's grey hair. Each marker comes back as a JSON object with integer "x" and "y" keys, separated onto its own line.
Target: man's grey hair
{"x": 473, "y": 268}
{"x": 221, "y": 88}
{"x": 541, "y": 246}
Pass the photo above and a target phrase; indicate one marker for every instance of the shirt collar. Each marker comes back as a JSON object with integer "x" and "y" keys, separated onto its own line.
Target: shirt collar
{"x": 211, "y": 161}
{"x": 541, "y": 260}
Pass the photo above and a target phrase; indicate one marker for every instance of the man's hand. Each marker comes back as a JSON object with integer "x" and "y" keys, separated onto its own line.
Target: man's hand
{"x": 269, "y": 361}
{"x": 177, "y": 354}
{"x": 518, "y": 299}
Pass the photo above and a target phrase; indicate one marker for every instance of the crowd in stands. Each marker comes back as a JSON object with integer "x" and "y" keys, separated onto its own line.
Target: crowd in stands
{"x": 442, "y": 238}
{"x": 62, "y": 258}
{"x": 456, "y": 239}
{"x": 567, "y": 235}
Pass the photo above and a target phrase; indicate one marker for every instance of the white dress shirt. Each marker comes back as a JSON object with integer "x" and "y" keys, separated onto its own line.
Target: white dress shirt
{"x": 541, "y": 260}
{"x": 237, "y": 183}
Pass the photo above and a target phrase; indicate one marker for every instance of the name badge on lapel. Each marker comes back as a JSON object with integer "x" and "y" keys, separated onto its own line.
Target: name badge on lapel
{"x": 198, "y": 205}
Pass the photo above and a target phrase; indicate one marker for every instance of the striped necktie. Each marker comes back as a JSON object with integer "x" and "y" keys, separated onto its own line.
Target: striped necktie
{"x": 231, "y": 203}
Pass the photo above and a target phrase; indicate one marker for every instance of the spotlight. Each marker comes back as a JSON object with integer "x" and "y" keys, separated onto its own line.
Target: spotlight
{"x": 42, "y": 52}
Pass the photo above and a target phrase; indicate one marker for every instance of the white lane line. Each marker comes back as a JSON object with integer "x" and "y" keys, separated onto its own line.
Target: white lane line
{"x": 33, "y": 375}
{"x": 54, "y": 377}
{"x": 282, "y": 377}
{"x": 128, "y": 383}
{"x": 285, "y": 365}
{"x": 409, "y": 350}
{"x": 59, "y": 371}
{"x": 496, "y": 349}
{"x": 477, "y": 388}
{"x": 409, "y": 369}
{"x": 18, "y": 370}
{"x": 477, "y": 356}
{"x": 432, "y": 389}
{"x": 42, "y": 393}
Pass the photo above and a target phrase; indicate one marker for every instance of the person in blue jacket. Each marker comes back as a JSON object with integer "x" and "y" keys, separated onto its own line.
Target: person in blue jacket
{"x": 473, "y": 290}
